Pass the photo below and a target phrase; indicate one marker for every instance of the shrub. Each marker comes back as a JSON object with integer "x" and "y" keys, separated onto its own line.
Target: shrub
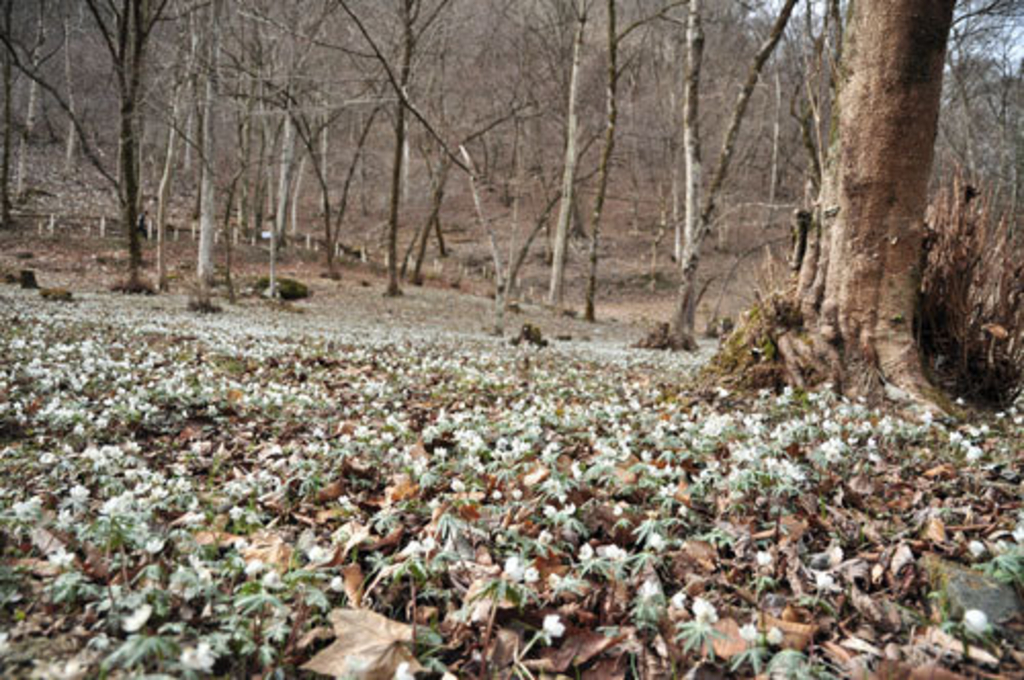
{"x": 972, "y": 297}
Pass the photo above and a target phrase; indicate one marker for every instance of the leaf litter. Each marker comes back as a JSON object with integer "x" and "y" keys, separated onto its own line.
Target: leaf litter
{"x": 232, "y": 496}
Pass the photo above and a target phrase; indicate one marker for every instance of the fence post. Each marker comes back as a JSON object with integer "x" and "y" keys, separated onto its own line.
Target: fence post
{"x": 103, "y": 226}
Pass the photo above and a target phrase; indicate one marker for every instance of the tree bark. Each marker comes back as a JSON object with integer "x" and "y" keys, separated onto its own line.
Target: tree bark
{"x": 859, "y": 282}
{"x": 612, "y": 84}
{"x": 404, "y": 71}
{"x": 557, "y": 289}
{"x": 8, "y": 122}
{"x": 689, "y": 288}
{"x": 208, "y": 200}
{"x": 33, "y": 102}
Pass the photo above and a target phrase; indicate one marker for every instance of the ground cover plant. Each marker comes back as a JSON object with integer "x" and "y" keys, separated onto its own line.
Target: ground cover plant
{"x": 273, "y": 494}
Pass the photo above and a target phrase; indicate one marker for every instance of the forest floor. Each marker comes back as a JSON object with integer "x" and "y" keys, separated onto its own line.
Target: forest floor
{"x": 359, "y": 487}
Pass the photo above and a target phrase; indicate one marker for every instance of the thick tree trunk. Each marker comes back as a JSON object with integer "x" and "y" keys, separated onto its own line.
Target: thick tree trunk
{"x": 859, "y": 282}
{"x": 557, "y": 288}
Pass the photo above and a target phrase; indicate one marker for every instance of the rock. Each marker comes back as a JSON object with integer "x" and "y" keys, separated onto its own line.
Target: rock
{"x": 961, "y": 589}
{"x": 27, "y": 278}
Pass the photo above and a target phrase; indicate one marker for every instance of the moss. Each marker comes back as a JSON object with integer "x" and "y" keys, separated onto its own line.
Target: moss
{"x": 287, "y": 289}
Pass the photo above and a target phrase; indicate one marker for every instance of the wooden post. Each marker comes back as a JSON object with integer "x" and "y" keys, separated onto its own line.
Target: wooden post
{"x": 53, "y": 224}
{"x": 307, "y": 242}
{"x": 193, "y": 231}
{"x": 39, "y": 227}
{"x": 234, "y": 235}
{"x": 103, "y": 227}
{"x": 216, "y": 237}
{"x": 177, "y": 233}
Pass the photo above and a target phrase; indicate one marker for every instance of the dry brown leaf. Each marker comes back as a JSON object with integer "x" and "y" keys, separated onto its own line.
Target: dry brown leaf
{"x": 402, "y": 488}
{"x": 938, "y": 639}
{"x": 934, "y": 530}
{"x": 536, "y": 476}
{"x": 367, "y": 646}
{"x": 796, "y": 635}
{"x": 353, "y": 576}
{"x": 702, "y": 553}
{"x": 270, "y": 549}
{"x": 216, "y": 538}
{"x": 577, "y": 649}
{"x": 730, "y": 644}
{"x": 331, "y": 492}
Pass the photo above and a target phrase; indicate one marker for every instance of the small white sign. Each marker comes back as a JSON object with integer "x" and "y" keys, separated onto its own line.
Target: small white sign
{"x": 266, "y": 235}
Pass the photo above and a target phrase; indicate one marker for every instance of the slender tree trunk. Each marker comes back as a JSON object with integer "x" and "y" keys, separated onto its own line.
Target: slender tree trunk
{"x": 393, "y": 289}
{"x": 604, "y": 169}
{"x": 296, "y": 192}
{"x": 208, "y": 202}
{"x": 858, "y": 286}
{"x": 556, "y": 292}
{"x": 72, "y": 136}
{"x": 433, "y": 221}
{"x": 164, "y": 193}
{"x": 689, "y": 287}
{"x": 284, "y": 182}
{"x": 8, "y": 122}
{"x": 33, "y": 102}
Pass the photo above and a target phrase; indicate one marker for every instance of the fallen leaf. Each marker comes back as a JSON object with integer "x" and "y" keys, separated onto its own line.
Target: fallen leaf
{"x": 938, "y": 639}
{"x": 796, "y": 635}
{"x": 730, "y": 644}
{"x": 331, "y": 492}
{"x": 577, "y": 649}
{"x": 536, "y": 476}
{"x": 367, "y": 646}
{"x": 402, "y": 488}
{"x": 270, "y": 549}
{"x": 353, "y": 577}
{"x": 934, "y": 530}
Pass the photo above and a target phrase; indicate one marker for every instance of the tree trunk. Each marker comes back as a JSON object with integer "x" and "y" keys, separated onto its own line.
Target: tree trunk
{"x": 8, "y": 122}
{"x": 689, "y": 287}
{"x": 208, "y": 200}
{"x": 72, "y": 138}
{"x": 393, "y": 289}
{"x": 164, "y": 193}
{"x": 859, "y": 282}
{"x": 33, "y": 102}
{"x": 612, "y": 83}
{"x": 557, "y": 289}
{"x": 692, "y": 150}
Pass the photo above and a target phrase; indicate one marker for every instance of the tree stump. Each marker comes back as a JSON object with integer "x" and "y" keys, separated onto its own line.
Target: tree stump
{"x": 27, "y": 279}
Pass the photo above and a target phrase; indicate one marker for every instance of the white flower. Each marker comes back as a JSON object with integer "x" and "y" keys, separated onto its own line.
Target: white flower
{"x": 5, "y": 646}
{"x": 586, "y": 552}
{"x": 704, "y": 611}
{"x": 977, "y": 548}
{"x": 678, "y": 600}
{"x": 656, "y": 542}
{"x": 337, "y": 584}
{"x": 612, "y": 552}
{"x": 763, "y": 559}
{"x": 61, "y": 558}
{"x": 79, "y": 494}
{"x": 199, "y": 658}
{"x": 403, "y": 672}
{"x": 531, "y": 575}
{"x": 29, "y": 510}
{"x": 272, "y": 580}
{"x": 749, "y": 633}
{"x": 649, "y": 589}
{"x": 976, "y": 622}
{"x": 974, "y": 453}
{"x": 458, "y": 486}
{"x": 775, "y": 637}
{"x": 133, "y": 623}
{"x": 318, "y": 554}
{"x": 255, "y": 567}
{"x": 154, "y": 545}
{"x": 517, "y": 495}
{"x": 824, "y": 582}
{"x": 514, "y": 569}
{"x": 553, "y": 626}
{"x": 1018, "y": 534}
